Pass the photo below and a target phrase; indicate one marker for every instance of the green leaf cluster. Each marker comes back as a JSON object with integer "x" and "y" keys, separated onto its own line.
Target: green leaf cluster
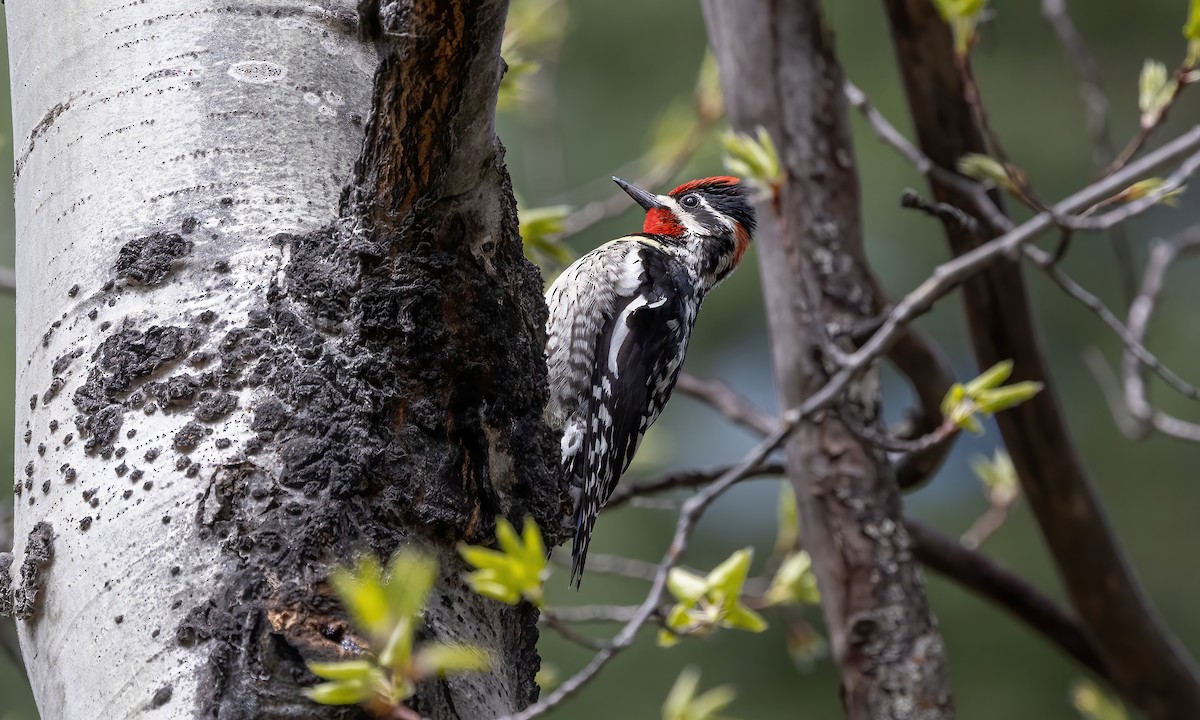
{"x": 516, "y": 571}
{"x": 683, "y": 704}
{"x": 985, "y": 395}
{"x": 706, "y": 603}
{"x": 387, "y": 607}
{"x": 753, "y": 158}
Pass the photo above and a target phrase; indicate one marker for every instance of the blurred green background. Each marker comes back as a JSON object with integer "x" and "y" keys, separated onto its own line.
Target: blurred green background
{"x": 594, "y": 110}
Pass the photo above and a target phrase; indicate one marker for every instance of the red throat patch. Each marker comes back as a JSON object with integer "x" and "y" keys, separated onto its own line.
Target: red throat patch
{"x": 661, "y": 221}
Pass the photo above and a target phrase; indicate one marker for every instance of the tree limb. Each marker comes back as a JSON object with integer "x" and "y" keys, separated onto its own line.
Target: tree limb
{"x": 984, "y": 577}
{"x": 1146, "y": 663}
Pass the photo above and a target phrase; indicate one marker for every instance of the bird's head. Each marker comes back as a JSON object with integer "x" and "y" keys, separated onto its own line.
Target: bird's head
{"x": 713, "y": 211}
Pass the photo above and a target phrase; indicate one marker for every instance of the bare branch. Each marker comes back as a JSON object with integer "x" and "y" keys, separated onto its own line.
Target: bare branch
{"x": 888, "y": 133}
{"x": 1094, "y": 97}
{"x": 1174, "y": 181}
{"x": 1076, "y": 291}
{"x": 684, "y": 479}
{"x": 724, "y": 400}
{"x": 1011, "y": 592}
{"x": 594, "y": 613}
{"x": 563, "y": 628}
{"x": 616, "y": 565}
{"x": 985, "y": 525}
{"x": 1147, "y": 664}
{"x": 1164, "y": 254}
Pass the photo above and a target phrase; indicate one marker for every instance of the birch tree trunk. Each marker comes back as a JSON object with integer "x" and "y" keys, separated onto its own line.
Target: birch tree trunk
{"x": 246, "y": 357}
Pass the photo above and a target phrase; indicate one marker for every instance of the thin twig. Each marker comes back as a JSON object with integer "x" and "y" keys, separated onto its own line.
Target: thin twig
{"x": 1174, "y": 181}
{"x": 1011, "y": 592}
{"x": 985, "y": 525}
{"x": 616, "y": 565}
{"x": 1164, "y": 254}
{"x": 888, "y": 133}
{"x": 732, "y": 405}
{"x": 1145, "y": 130}
{"x": 1097, "y": 104}
{"x": 618, "y": 202}
{"x": 685, "y": 479}
{"x": 1076, "y": 291}
{"x": 1182, "y": 145}
{"x": 594, "y": 613}
{"x": 563, "y": 628}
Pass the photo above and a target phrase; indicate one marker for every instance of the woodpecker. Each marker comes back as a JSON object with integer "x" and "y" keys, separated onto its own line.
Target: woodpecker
{"x": 620, "y": 320}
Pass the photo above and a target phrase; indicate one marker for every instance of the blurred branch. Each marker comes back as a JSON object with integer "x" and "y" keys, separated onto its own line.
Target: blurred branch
{"x": 734, "y": 406}
{"x": 1145, "y": 661}
{"x": 1013, "y": 593}
{"x": 685, "y": 479}
{"x": 616, "y": 565}
{"x": 1145, "y": 130}
{"x": 1097, "y": 106}
{"x": 1163, "y": 255}
{"x": 1090, "y": 85}
{"x": 985, "y": 526}
{"x": 8, "y": 280}
{"x": 1132, "y": 344}
{"x": 1001, "y": 223}
{"x": 594, "y": 613}
{"x": 888, "y": 133}
{"x": 9, "y": 645}
{"x": 560, "y": 625}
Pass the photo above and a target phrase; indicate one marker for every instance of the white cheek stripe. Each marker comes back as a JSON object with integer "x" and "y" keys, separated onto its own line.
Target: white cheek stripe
{"x": 720, "y": 216}
{"x": 688, "y": 221}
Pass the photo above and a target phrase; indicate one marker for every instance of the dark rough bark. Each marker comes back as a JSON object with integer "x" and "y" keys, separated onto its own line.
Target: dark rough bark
{"x": 778, "y": 70}
{"x": 399, "y": 358}
{"x": 1145, "y": 662}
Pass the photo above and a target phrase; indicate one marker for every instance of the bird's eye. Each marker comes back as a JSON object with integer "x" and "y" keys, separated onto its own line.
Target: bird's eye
{"x": 690, "y": 201}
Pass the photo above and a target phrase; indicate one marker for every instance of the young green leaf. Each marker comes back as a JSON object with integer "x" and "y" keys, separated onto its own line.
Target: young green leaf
{"x": 787, "y": 537}
{"x": 682, "y": 703}
{"x": 361, "y": 591}
{"x": 341, "y": 692}
{"x": 998, "y": 476}
{"x": 343, "y": 670}
{"x": 1092, "y": 703}
{"x": 706, "y": 603}
{"x": 1191, "y": 31}
{"x": 985, "y": 168}
{"x": 438, "y": 659}
{"x": 1151, "y": 186}
{"x": 518, "y": 570}
{"x": 753, "y": 158}
{"x": 1156, "y": 89}
{"x": 985, "y": 395}
{"x": 794, "y": 582}
{"x": 963, "y": 16}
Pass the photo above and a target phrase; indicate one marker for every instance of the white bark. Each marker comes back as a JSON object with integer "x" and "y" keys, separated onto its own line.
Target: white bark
{"x": 222, "y": 124}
